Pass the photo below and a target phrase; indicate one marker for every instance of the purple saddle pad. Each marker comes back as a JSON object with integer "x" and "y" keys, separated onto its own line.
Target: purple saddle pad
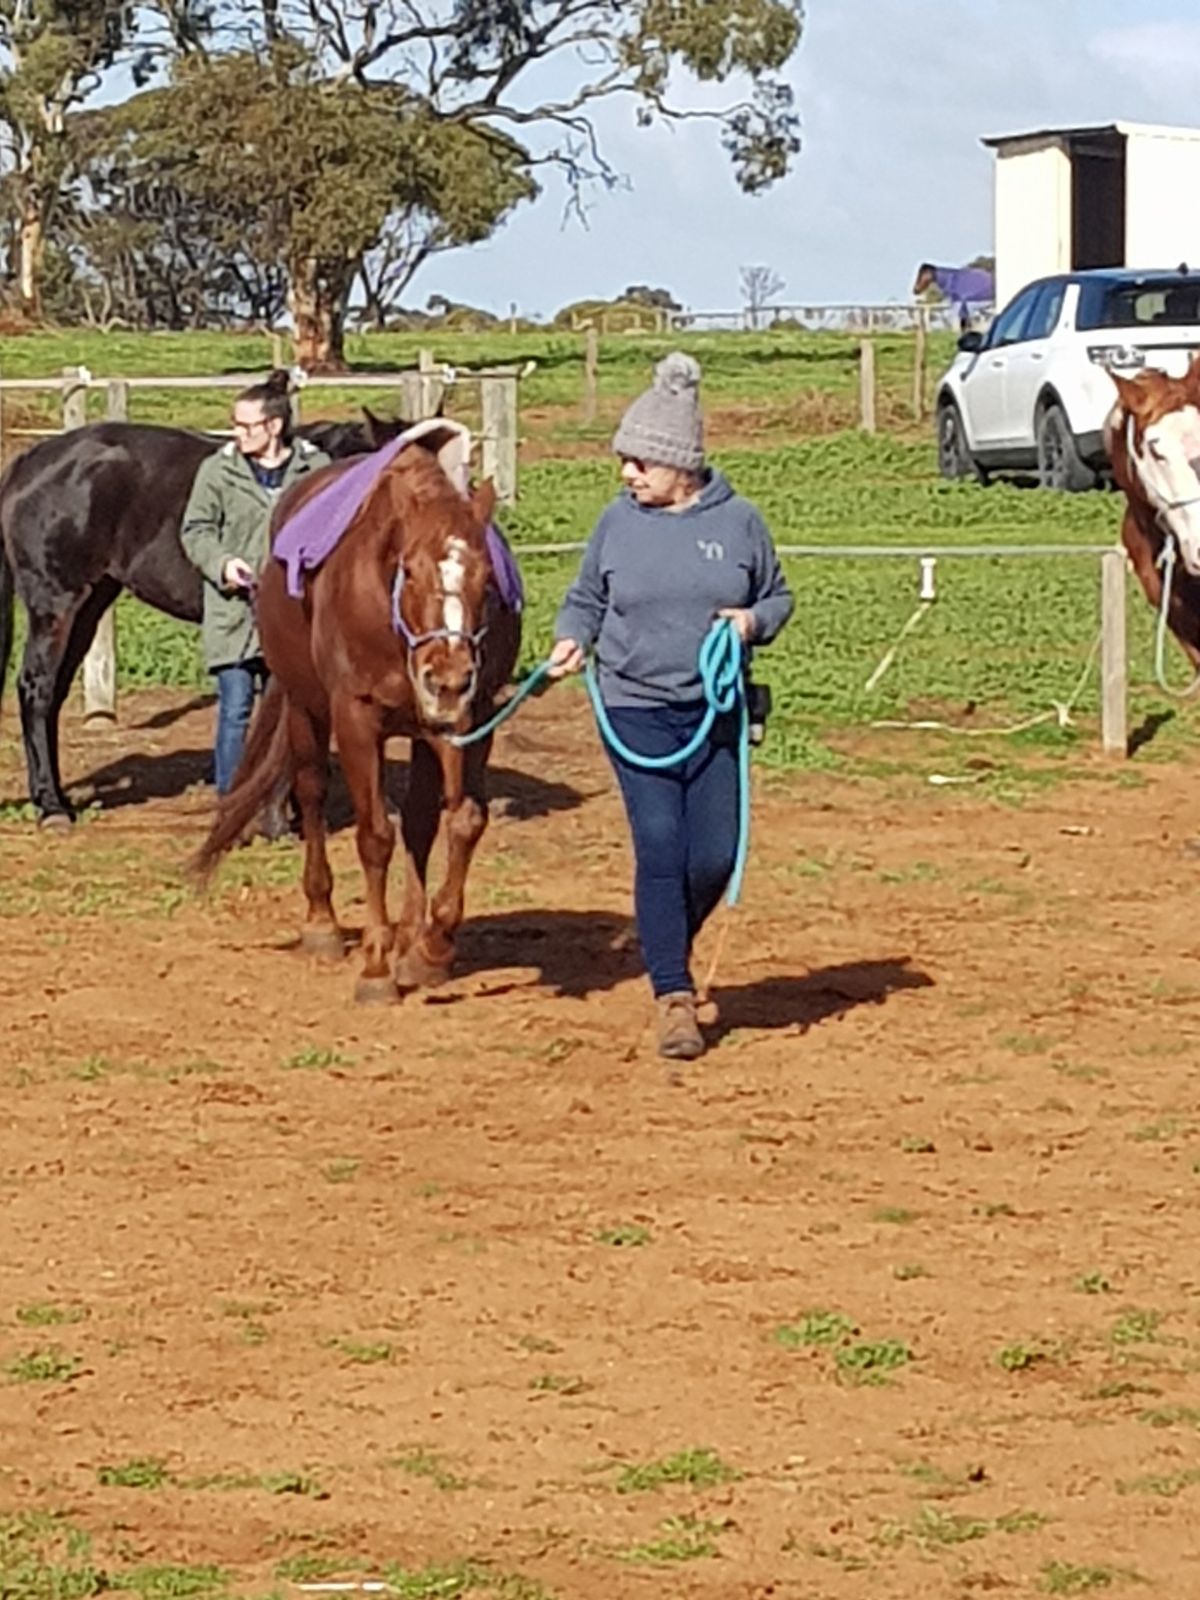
{"x": 310, "y": 537}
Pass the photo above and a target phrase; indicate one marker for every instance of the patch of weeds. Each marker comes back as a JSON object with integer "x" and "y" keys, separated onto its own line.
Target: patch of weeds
{"x": 1168, "y": 1485}
{"x": 1022, "y": 1357}
{"x": 907, "y": 1271}
{"x": 467, "y": 1577}
{"x": 1120, "y": 1389}
{"x": 92, "y": 1069}
{"x": 558, "y": 1383}
{"x": 1064, "y": 1577}
{"x": 939, "y": 1484}
{"x": 340, "y": 1171}
{"x": 43, "y": 1558}
{"x": 935, "y": 1529}
{"x": 143, "y": 1472}
{"x": 919, "y": 872}
{"x": 1082, "y": 1072}
{"x": 870, "y": 1363}
{"x": 1026, "y": 1044}
{"x": 172, "y": 1583}
{"x": 685, "y": 1538}
{"x": 625, "y": 1236}
{"x": 47, "y": 1315}
{"x": 698, "y": 1469}
{"x": 298, "y": 1483}
{"x": 1157, "y": 1132}
{"x": 363, "y": 1352}
{"x": 316, "y": 1569}
{"x": 1136, "y": 1327}
{"x": 815, "y": 1328}
{"x": 47, "y": 1365}
{"x": 896, "y": 1215}
{"x": 421, "y": 1463}
{"x": 917, "y": 1145}
{"x": 538, "y": 1346}
{"x": 250, "y": 1313}
{"x": 1171, "y": 1417}
{"x": 1094, "y": 1283}
{"x": 315, "y": 1059}
{"x": 836, "y": 1553}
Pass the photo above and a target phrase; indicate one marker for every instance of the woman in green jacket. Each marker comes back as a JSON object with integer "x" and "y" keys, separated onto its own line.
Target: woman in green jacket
{"x": 225, "y": 535}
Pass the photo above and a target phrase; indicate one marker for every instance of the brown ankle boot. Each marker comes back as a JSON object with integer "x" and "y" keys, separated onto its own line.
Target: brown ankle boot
{"x": 679, "y": 1037}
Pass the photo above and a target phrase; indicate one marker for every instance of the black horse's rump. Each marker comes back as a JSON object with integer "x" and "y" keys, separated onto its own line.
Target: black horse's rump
{"x": 85, "y": 515}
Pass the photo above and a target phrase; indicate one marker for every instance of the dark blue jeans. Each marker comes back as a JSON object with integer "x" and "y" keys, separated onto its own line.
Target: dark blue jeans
{"x": 236, "y": 687}
{"x": 685, "y": 825}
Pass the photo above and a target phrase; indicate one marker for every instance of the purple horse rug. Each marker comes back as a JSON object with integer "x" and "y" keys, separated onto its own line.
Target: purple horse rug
{"x": 310, "y": 537}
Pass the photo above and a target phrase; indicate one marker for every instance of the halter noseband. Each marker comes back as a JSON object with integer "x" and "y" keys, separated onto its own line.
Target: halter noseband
{"x": 414, "y": 641}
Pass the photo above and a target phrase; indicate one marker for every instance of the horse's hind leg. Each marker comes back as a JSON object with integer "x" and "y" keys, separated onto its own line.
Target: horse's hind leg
{"x": 360, "y": 746}
{"x": 309, "y": 738}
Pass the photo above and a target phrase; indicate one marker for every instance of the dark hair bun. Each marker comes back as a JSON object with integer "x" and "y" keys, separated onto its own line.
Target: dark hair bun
{"x": 279, "y": 382}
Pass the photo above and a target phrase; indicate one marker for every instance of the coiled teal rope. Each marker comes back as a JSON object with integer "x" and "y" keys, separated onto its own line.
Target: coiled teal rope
{"x": 723, "y": 680}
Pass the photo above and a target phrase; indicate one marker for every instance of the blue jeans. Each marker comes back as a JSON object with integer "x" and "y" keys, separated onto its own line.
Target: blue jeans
{"x": 236, "y": 687}
{"x": 685, "y": 826}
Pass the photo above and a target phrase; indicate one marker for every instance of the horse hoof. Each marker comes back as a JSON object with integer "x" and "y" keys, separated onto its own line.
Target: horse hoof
{"x": 375, "y": 992}
{"x": 326, "y": 944}
{"x": 57, "y": 822}
{"x": 415, "y": 971}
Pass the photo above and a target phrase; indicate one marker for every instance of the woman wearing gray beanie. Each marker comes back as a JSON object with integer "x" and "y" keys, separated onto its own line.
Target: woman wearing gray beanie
{"x": 674, "y": 552}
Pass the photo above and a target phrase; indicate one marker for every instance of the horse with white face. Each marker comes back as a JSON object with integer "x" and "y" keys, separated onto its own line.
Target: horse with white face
{"x": 1153, "y": 439}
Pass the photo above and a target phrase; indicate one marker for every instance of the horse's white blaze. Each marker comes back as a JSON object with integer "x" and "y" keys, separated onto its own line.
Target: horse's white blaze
{"x": 454, "y": 573}
{"x": 1167, "y": 464}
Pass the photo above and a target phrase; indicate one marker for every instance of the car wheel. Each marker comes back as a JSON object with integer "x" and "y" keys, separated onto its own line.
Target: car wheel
{"x": 954, "y": 454}
{"x": 1060, "y": 466}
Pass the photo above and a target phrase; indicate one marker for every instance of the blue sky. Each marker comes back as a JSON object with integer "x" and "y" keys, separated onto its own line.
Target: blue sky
{"x": 894, "y": 96}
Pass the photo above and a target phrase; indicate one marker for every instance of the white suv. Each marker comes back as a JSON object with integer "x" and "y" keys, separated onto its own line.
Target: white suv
{"x": 1031, "y": 395}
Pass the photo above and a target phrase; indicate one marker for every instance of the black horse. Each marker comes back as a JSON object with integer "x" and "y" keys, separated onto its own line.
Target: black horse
{"x": 85, "y": 515}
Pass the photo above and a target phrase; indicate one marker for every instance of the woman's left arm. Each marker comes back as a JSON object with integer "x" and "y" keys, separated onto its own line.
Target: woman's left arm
{"x": 771, "y": 601}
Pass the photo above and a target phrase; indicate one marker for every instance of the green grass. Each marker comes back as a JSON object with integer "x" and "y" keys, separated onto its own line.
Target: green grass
{"x": 624, "y": 1236}
{"x": 698, "y": 1469}
{"x": 427, "y": 1464}
{"x": 1065, "y": 1578}
{"x": 683, "y": 1538}
{"x": 315, "y": 1058}
{"x": 363, "y": 1352}
{"x": 47, "y": 1364}
{"x": 48, "y": 1315}
{"x": 815, "y": 1328}
{"x": 143, "y": 1472}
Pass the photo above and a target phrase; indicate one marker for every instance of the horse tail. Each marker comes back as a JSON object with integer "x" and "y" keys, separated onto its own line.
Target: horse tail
{"x": 7, "y": 598}
{"x": 265, "y": 771}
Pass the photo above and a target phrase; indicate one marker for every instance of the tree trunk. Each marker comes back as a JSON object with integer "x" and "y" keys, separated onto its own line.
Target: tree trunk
{"x": 317, "y": 297}
{"x": 30, "y": 251}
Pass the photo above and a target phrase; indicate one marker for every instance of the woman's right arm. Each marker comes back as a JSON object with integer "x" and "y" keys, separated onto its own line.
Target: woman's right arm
{"x": 578, "y": 623}
{"x": 201, "y": 532}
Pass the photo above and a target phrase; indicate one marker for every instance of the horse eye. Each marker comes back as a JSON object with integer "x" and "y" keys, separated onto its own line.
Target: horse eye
{"x": 1156, "y": 451}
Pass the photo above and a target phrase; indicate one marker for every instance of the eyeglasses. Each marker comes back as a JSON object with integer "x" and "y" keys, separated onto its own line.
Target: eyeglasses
{"x": 249, "y": 427}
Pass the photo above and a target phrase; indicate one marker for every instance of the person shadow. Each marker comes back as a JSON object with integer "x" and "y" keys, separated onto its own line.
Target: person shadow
{"x": 796, "y": 1003}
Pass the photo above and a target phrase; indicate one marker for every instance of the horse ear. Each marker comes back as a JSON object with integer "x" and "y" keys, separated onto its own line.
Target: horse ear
{"x": 1129, "y": 392}
{"x": 1191, "y": 377}
{"x": 483, "y": 502}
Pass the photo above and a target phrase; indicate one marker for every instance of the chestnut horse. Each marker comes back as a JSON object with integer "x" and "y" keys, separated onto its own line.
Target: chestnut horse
{"x": 400, "y": 631}
{"x": 1153, "y": 439}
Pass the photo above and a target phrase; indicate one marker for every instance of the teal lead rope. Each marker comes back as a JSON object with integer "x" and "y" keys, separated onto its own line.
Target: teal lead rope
{"x": 723, "y": 679}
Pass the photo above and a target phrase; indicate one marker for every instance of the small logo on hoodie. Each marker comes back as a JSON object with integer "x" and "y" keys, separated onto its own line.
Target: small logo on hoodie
{"x": 711, "y": 549}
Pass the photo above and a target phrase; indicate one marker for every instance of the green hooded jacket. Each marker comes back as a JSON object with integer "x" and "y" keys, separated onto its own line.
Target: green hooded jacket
{"x": 228, "y": 514}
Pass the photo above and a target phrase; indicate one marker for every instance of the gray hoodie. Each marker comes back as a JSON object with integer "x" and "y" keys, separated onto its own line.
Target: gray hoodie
{"x": 652, "y": 581}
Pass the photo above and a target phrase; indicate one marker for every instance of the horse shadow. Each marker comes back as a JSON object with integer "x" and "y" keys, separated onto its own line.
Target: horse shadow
{"x": 139, "y": 776}
{"x": 573, "y": 954}
{"x": 787, "y": 1001}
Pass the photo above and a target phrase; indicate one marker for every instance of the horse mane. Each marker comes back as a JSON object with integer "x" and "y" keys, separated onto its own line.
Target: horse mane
{"x": 416, "y": 478}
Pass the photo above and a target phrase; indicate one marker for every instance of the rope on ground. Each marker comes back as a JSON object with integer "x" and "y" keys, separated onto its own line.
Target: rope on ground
{"x": 889, "y": 655}
{"x": 1059, "y": 711}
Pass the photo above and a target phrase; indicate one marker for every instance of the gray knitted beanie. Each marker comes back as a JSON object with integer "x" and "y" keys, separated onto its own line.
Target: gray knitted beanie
{"x": 665, "y": 424}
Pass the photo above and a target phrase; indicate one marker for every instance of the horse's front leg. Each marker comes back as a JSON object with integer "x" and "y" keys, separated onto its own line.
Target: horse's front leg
{"x": 419, "y": 818}
{"x": 359, "y": 729}
{"x": 464, "y": 783}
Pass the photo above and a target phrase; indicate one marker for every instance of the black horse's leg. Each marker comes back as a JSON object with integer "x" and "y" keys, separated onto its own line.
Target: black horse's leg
{"x": 53, "y": 651}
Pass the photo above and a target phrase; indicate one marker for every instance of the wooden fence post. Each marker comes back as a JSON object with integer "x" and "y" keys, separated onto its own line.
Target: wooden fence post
{"x": 866, "y": 386}
{"x": 919, "y": 352}
{"x": 1114, "y": 733}
{"x": 430, "y": 386}
{"x": 100, "y": 663}
{"x": 591, "y": 365}
{"x": 499, "y": 442}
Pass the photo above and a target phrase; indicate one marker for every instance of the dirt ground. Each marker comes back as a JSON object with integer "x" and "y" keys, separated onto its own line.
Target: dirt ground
{"x": 302, "y": 1291}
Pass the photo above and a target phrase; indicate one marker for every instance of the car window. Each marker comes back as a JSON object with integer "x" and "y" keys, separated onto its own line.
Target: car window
{"x": 1144, "y": 305}
{"x": 1009, "y": 326}
{"x": 1043, "y": 319}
